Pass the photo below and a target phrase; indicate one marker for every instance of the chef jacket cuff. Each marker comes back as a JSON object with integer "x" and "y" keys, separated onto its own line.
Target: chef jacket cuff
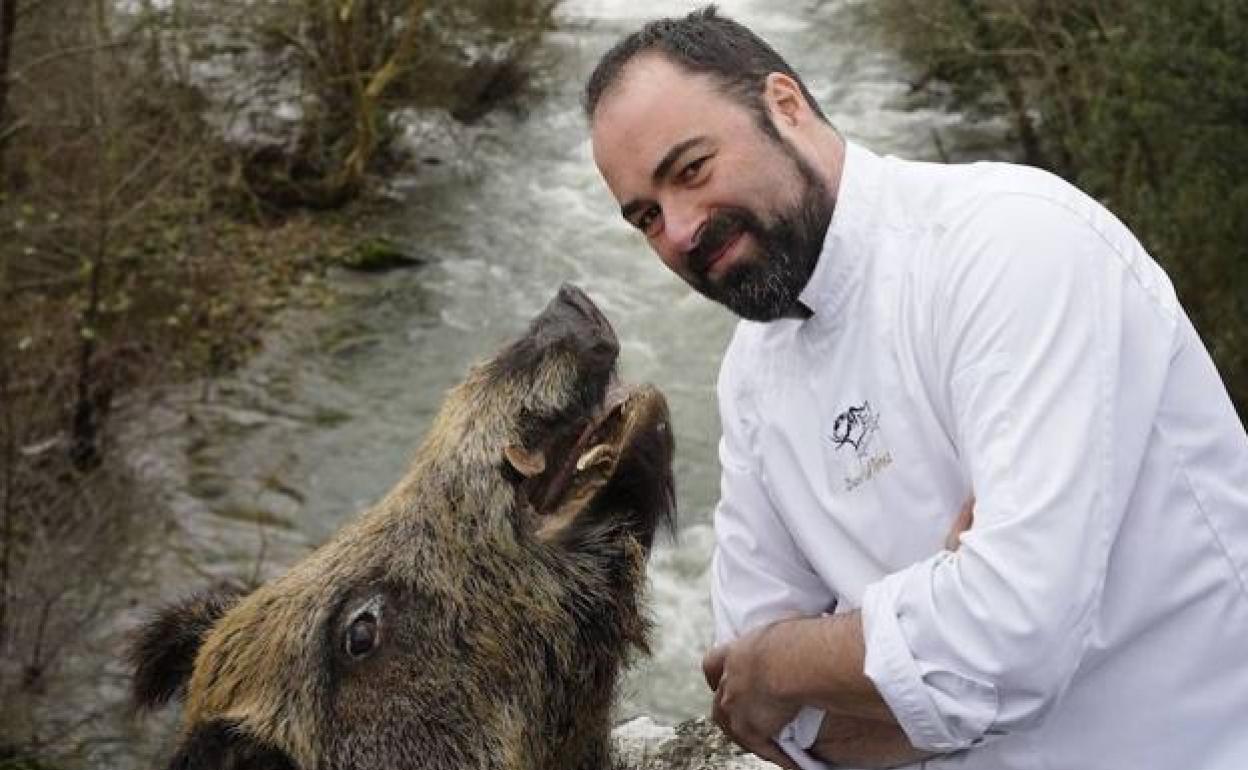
{"x": 798, "y": 736}
{"x": 940, "y": 710}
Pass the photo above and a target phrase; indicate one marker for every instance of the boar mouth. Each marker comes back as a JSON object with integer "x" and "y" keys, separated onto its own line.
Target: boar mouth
{"x": 611, "y": 467}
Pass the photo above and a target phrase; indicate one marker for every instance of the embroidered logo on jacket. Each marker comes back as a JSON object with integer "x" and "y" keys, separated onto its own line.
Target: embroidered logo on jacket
{"x": 858, "y": 427}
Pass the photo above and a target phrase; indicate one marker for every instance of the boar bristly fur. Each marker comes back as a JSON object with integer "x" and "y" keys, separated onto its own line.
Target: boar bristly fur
{"x": 478, "y": 616}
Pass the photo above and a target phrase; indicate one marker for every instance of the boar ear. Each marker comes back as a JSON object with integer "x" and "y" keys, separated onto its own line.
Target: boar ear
{"x": 163, "y": 651}
{"x": 221, "y": 745}
{"x": 528, "y": 463}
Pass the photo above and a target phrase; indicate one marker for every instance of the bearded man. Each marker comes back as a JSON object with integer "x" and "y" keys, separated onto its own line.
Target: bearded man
{"x": 916, "y": 334}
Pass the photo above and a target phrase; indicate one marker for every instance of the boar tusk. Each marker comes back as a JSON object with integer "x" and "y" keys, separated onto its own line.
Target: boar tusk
{"x": 593, "y": 456}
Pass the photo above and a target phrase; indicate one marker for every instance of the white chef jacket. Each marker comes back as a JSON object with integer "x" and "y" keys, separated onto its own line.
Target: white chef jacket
{"x": 988, "y": 328}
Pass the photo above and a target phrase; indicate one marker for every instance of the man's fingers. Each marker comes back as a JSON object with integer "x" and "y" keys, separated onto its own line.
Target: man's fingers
{"x": 746, "y": 738}
{"x": 772, "y": 752}
{"x": 763, "y": 746}
{"x": 736, "y": 709}
{"x": 719, "y": 714}
{"x": 713, "y": 665}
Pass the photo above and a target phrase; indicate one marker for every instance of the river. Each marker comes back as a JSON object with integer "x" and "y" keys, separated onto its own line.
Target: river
{"x": 322, "y": 421}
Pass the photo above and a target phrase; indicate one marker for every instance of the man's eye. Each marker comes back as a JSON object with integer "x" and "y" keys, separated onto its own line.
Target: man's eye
{"x": 691, "y": 171}
{"x": 647, "y": 220}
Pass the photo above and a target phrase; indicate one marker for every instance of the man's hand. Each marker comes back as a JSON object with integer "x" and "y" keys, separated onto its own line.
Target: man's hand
{"x": 762, "y": 680}
{"x": 747, "y": 707}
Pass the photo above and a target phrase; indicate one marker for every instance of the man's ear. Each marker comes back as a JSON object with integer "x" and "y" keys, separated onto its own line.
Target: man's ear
{"x": 784, "y": 99}
{"x": 163, "y": 650}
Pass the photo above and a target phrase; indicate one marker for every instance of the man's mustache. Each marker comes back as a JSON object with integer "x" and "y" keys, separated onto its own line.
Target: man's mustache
{"x": 722, "y": 228}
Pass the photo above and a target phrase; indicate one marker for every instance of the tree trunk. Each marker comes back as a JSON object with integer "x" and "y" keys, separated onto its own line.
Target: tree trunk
{"x": 368, "y": 89}
{"x": 7, "y": 496}
{"x": 8, "y": 25}
{"x": 1010, "y": 82}
{"x": 84, "y": 447}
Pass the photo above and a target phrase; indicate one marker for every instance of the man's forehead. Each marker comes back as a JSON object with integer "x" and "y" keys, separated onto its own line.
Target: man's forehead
{"x": 654, "y": 106}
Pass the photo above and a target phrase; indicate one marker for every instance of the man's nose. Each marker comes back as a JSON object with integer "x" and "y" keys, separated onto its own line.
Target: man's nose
{"x": 682, "y": 224}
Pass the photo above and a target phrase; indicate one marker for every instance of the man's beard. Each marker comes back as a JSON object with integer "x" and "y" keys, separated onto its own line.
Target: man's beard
{"x": 764, "y": 284}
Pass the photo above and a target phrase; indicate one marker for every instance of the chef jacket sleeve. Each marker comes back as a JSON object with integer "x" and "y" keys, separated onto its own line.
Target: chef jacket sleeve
{"x": 1051, "y": 396}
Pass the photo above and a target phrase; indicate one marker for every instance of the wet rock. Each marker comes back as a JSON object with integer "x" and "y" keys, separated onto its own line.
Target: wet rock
{"x": 697, "y": 744}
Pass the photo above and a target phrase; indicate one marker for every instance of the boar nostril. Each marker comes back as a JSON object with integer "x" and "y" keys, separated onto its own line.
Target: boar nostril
{"x": 362, "y": 635}
{"x": 606, "y": 349}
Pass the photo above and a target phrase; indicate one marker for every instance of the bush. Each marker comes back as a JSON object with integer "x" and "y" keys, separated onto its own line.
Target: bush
{"x": 1143, "y": 105}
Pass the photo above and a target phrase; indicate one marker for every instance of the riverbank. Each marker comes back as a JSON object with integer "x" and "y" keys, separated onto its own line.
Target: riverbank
{"x": 84, "y": 531}
{"x": 173, "y": 177}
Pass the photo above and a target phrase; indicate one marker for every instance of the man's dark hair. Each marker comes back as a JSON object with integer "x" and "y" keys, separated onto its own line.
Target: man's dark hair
{"x": 704, "y": 43}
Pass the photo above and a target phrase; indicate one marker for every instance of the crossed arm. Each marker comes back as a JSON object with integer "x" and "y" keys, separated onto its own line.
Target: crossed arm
{"x": 764, "y": 678}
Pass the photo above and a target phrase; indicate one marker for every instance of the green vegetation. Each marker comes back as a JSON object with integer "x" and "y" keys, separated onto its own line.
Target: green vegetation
{"x": 374, "y": 255}
{"x": 170, "y": 175}
{"x": 1143, "y": 105}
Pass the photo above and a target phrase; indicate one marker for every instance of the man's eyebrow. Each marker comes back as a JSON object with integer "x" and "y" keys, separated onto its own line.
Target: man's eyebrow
{"x": 673, "y": 155}
{"x": 660, "y": 171}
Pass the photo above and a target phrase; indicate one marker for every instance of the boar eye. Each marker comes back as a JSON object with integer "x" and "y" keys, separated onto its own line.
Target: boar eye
{"x": 362, "y": 635}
